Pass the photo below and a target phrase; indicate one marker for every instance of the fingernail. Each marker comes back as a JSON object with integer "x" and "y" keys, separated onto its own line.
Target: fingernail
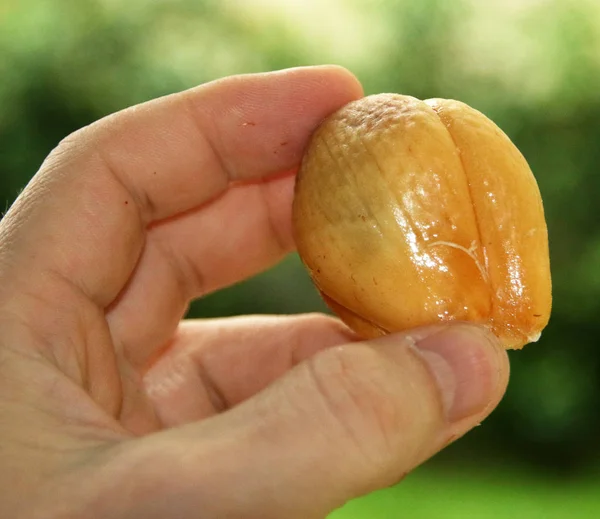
{"x": 466, "y": 363}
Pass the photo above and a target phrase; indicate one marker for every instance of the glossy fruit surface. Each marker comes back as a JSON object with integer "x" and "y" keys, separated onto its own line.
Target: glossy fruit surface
{"x": 409, "y": 212}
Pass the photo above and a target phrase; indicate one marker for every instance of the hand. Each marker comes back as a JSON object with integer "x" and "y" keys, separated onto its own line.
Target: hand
{"x": 110, "y": 407}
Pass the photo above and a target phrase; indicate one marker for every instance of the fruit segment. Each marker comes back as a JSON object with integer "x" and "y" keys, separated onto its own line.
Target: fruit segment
{"x": 510, "y": 217}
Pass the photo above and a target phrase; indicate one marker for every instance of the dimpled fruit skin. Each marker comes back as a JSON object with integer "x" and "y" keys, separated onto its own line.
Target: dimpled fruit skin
{"x": 408, "y": 213}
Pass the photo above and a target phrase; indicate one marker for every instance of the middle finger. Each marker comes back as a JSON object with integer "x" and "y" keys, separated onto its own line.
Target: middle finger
{"x": 215, "y": 364}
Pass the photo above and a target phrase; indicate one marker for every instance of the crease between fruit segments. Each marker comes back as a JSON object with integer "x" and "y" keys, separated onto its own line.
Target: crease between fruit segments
{"x": 482, "y": 268}
{"x": 332, "y": 303}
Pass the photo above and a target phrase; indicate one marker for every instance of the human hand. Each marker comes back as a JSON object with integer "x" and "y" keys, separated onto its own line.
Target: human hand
{"x": 112, "y": 408}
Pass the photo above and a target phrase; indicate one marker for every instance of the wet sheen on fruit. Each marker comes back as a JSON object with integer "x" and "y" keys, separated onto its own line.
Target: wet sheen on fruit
{"x": 409, "y": 213}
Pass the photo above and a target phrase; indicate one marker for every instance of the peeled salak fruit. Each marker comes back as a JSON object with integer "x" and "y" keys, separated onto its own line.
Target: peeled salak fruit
{"x": 409, "y": 213}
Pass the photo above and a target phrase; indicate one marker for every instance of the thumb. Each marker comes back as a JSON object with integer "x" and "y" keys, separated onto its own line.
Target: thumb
{"x": 347, "y": 421}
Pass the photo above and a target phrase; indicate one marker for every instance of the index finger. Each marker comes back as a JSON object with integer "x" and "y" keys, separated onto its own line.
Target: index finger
{"x": 88, "y": 207}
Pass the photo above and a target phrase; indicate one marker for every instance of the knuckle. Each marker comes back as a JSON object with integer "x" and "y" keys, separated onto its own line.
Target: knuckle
{"x": 62, "y": 154}
{"x": 358, "y": 387}
{"x": 69, "y": 146}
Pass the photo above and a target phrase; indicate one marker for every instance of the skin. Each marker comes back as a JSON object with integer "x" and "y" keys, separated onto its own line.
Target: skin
{"x": 111, "y": 407}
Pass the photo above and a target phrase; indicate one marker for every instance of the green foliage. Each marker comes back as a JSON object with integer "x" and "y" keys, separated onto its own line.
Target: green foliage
{"x": 428, "y": 494}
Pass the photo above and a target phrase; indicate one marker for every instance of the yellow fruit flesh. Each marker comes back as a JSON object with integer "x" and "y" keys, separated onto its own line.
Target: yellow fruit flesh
{"x": 404, "y": 216}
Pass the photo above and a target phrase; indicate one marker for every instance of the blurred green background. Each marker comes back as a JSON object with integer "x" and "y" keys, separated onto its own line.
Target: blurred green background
{"x": 532, "y": 65}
